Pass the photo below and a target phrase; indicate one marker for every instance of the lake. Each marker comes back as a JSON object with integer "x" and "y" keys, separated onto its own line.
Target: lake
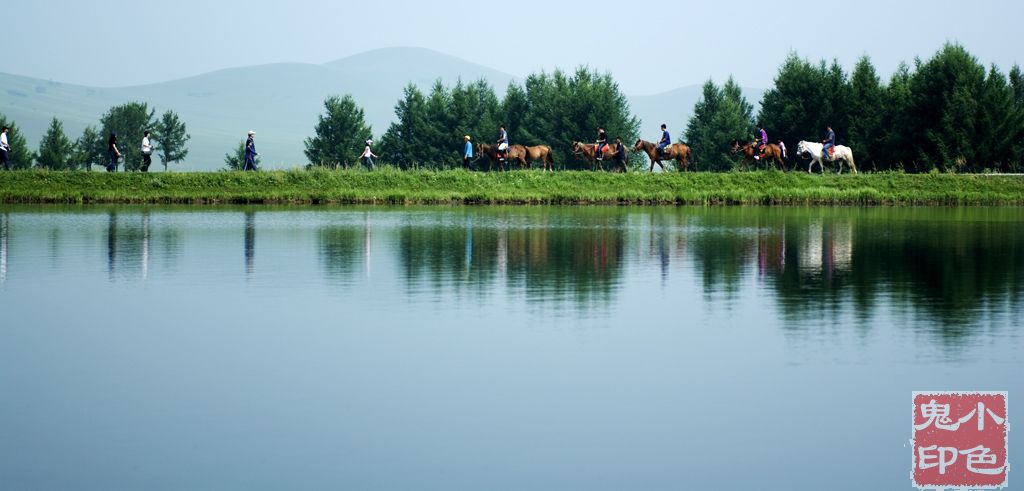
{"x": 493, "y": 347}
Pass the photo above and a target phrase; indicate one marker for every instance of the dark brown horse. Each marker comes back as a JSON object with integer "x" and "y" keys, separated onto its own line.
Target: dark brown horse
{"x": 676, "y": 151}
{"x": 515, "y": 153}
{"x": 543, "y": 154}
{"x": 749, "y": 149}
{"x": 588, "y": 151}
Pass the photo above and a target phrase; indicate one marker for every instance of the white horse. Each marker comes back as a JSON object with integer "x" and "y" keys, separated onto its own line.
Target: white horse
{"x": 842, "y": 154}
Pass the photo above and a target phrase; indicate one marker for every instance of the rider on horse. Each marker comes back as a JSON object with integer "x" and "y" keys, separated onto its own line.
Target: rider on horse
{"x": 602, "y": 143}
{"x": 666, "y": 140}
{"x": 762, "y": 141}
{"x": 830, "y": 143}
{"x": 502, "y": 143}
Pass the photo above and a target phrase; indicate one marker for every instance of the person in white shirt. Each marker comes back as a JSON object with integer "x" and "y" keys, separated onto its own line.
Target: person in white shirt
{"x": 147, "y": 152}
{"x": 368, "y": 155}
{"x": 5, "y": 149}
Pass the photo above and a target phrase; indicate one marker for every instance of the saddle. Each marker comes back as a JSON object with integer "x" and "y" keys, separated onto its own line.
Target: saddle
{"x": 831, "y": 151}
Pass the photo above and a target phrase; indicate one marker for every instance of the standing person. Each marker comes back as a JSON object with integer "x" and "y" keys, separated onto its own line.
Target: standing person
{"x": 502, "y": 141}
{"x": 665, "y": 141}
{"x": 467, "y": 152}
{"x": 620, "y": 153}
{"x": 112, "y": 153}
{"x": 829, "y": 143}
{"x": 367, "y": 156}
{"x": 5, "y": 149}
{"x": 250, "y": 152}
{"x": 601, "y": 144}
{"x": 147, "y": 152}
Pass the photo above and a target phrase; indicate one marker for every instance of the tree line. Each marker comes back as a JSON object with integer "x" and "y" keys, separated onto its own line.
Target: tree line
{"x": 947, "y": 113}
{"x": 128, "y": 121}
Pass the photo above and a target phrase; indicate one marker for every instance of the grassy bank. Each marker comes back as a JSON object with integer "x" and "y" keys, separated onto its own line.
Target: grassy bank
{"x": 517, "y": 187}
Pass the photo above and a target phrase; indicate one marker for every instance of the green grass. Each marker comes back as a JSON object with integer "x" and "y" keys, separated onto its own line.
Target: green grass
{"x": 390, "y": 186}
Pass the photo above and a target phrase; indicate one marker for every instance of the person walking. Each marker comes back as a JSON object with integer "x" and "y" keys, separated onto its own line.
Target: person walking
{"x": 367, "y": 156}
{"x": 467, "y": 152}
{"x": 250, "y": 152}
{"x": 147, "y": 152}
{"x": 620, "y": 154}
{"x": 112, "y": 153}
{"x": 5, "y": 149}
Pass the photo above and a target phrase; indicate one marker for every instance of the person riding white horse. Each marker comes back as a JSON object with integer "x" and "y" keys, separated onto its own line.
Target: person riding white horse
{"x": 817, "y": 150}
{"x": 829, "y": 143}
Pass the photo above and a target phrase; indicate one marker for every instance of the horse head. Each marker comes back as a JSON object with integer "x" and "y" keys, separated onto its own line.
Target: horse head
{"x": 638, "y": 145}
{"x": 577, "y": 147}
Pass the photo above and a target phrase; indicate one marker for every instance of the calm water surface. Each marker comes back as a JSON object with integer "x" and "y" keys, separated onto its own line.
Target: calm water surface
{"x": 493, "y": 348}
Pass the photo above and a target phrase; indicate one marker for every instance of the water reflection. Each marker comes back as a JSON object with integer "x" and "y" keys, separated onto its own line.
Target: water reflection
{"x": 943, "y": 268}
{"x": 250, "y": 241}
{"x": 547, "y": 258}
{"x": 5, "y": 219}
{"x": 130, "y": 241}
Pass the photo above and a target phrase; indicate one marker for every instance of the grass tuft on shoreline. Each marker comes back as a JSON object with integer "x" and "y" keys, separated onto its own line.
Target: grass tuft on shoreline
{"x": 392, "y": 186}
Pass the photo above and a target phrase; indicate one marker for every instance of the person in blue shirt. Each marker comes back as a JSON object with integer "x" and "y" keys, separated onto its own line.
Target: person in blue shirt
{"x": 250, "y": 152}
{"x": 467, "y": 152}
{"x": 665, "y": 141}
{"x": 829, "y": 141}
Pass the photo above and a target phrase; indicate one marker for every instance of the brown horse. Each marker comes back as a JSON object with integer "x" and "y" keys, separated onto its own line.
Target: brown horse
{"x": 771, "y": 151}
{"x": 516, "y": 153}
{"x": 679, "y": 152}
{"x": 543, "y": 154}
{"x": 588, "y": 152}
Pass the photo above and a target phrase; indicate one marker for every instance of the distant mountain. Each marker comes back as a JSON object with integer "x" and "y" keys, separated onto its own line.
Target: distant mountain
{"x": 675, "y": 108}
{"x": 281, "y": 101}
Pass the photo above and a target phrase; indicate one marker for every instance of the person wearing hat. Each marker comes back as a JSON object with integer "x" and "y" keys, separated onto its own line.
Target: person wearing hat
{"x": 367, "y": 156}
{"x": 467, "y": 152}
{"x": 250, "y": 152}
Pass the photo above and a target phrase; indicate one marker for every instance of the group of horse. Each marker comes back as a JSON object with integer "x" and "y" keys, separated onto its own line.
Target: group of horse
{"x": 678, "y": 152}
{"x": 773, "y": 154}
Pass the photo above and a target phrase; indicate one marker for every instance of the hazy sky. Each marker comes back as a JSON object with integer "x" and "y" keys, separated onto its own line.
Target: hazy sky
{"x": 649, "y": 46}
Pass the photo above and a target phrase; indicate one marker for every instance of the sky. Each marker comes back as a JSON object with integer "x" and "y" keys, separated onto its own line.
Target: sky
{"x": 649, "y": 47}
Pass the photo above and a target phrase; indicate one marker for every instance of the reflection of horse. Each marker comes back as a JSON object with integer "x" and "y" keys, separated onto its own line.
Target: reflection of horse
{"x": 842, "y": 154}
{"x": 589, "y": 153}
{"x": 541, "y": 153}
{"x": 515, "y": 153}
{"x": 749, "y": 149}
{"x": 676, "y": 151}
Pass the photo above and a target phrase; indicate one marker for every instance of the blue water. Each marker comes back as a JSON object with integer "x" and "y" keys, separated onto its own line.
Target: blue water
{"x": 493, "y": 348}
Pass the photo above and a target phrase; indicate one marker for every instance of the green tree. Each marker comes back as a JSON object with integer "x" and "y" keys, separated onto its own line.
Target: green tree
{"x": 563, "y": 109}
{"x": 866, "y": 113}
{"x": 1000, "y": 125}
{"x": 804, "y": 100}
{"x": 1017, "y": 83}
{"x": 171, "y": 139}
{"x": 129, "y": 122}
{"x": 403, "y": 142}
{"x": 340, "y": 133}
{"x": 720, "y": 116}
{"x": 476, "y": 112}
{"x": 944, "y": 108}
{"x": 515, "y": 108}
{"x": 55, "y": 150}
{"x": 898, "y": 136}
{"x": 20, "y": 157}
{"x": 235, "y": 160}
{"x": 89, "y": 149}
{"x": 441, "y": 146}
